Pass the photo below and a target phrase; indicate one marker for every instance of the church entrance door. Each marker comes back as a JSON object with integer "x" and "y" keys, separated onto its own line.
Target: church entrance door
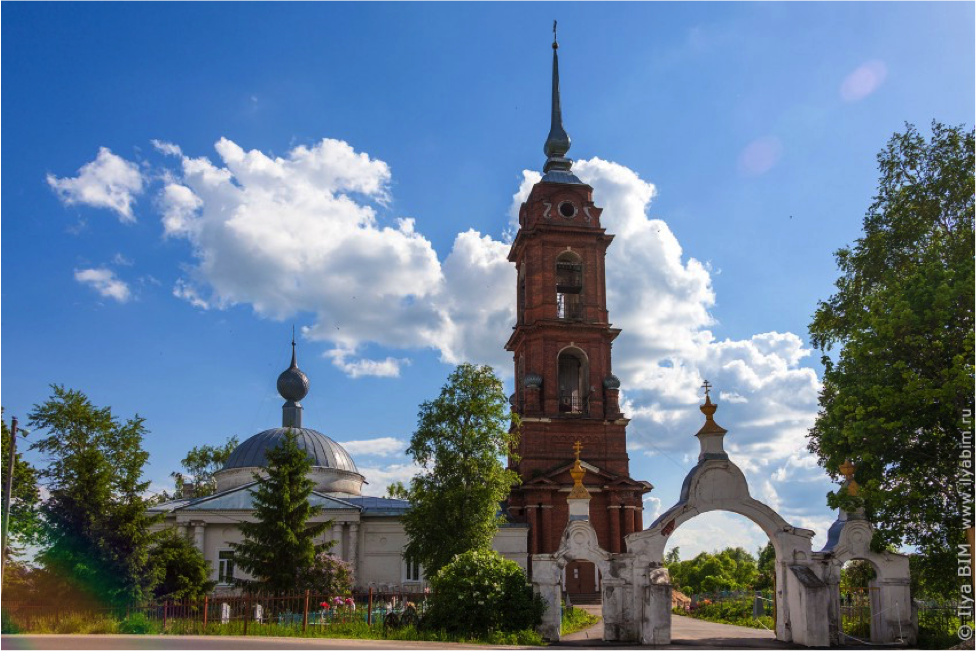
{"x": 582, "y": 582}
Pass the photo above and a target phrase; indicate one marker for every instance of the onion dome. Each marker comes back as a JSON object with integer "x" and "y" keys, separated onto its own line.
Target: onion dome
{"x": 292, "y": 383}
{"x": 533, "y": 380}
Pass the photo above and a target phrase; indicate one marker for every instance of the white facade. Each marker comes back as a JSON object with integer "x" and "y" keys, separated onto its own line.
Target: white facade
{"x": 367, "y": 532}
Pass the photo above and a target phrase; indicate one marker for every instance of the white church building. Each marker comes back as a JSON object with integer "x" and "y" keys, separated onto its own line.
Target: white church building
{"x": 367, "y": 530}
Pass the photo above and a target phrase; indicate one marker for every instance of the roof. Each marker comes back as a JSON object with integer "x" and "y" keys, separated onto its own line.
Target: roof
{"x": 322, "y": 451}
{"x": 241, "y": 498}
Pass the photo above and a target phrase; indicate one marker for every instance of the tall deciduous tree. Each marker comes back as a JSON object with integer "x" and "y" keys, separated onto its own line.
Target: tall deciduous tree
{"x": 96, "y": 527}
{"x": 460, "y": 440}
{"x": 199, "y": 467}
{"x": 895, "y": 396}
{"x": 279, "y": 549}
{"x": 25, "y": 521}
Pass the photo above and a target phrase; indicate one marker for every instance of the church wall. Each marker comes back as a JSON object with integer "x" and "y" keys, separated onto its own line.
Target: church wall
{"x": 379, "y": 549}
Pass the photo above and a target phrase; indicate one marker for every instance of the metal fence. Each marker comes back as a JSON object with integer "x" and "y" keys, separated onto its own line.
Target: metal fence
{"x": 228, "y": 614}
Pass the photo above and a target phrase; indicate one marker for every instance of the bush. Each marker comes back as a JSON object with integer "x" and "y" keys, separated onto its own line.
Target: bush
{"x": 480, "y": 592}
{"x": 137, "y": 624}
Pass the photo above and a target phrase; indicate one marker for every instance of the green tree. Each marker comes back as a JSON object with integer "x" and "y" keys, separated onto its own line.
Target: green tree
{"x": 279, "y": 548}
{"x": 183, "y": 573}
{"x": 730, "y": 569}
{"x": 398, "y": 491}
{"x": 766, "y": 564}
{"x": 199, "y": 467}
{"x": 25, "y": 520}
{"x": 96, "y": 527}
{"x": 673, "y": 556}
{"x": 894, "y": 396}
{"x": 460, "y": 439}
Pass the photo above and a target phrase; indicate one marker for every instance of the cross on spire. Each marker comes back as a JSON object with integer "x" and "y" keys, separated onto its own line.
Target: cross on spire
{"x": 707, "y": 386}
{"x": 555, "y": 43}
{"x": 579, "y": 448}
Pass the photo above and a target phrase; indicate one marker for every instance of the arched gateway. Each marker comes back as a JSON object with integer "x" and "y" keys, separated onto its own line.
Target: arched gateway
{"x": 637, "y": 586}
{"x": 717, "y": 484}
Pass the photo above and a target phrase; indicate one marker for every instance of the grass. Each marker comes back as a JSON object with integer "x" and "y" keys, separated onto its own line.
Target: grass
{"x": 353, "y": 630}
{"x": 576, "y": 619}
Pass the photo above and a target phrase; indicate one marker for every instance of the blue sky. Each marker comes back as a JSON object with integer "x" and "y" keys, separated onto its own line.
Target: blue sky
{"x": 733, "y": 146}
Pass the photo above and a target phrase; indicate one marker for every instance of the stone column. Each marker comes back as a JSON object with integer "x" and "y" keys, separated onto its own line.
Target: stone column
{"x": 199, "y": 535}
{"x": 335, "y": 533}
{"x": 628, "y": 515}
{"x": 533, "y": 529}
{"x": 354, "y": 550}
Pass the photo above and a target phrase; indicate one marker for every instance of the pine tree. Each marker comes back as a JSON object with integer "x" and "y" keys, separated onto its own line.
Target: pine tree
{"x": 279, "y": 549}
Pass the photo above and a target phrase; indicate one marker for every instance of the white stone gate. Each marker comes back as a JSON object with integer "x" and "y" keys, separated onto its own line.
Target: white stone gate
{"x": 637, "y": 586}
{"x": 717, "y": 484}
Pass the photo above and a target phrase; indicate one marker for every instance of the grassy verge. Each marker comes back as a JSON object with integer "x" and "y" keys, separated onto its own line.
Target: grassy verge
{"x": 576, "y": 619}
{"x": 354, "y": 630}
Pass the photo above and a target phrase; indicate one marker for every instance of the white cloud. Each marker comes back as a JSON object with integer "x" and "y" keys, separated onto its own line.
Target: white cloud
{"x": 166, "y": 148}
{"x": 121, "y": 260}
{"x": 389, "y": 367}
{"x": 301, "y": 234}
{"x": 863, "y": 80}
{"x": 380, "y": 478}
{"x": 385, "y": 446}
{"x": 104, "y": 282}
{"x": 652, "y": 509}
{"x": 109, "y": 181}
{"x": 715, "y": 531}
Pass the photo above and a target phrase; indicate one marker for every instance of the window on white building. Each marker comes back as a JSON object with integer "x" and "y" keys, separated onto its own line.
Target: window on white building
{"x": 412, "y": 572}
{"x": 225, "y": 567}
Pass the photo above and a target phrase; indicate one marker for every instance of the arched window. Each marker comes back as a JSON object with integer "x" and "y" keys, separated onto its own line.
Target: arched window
{"x": 569, "y": 286}
{"x": 573, "y": 381}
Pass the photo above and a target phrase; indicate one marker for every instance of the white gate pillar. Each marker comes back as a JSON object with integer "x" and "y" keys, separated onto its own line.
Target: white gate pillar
{"x": 545, "y": 582}
{"x": 655, "y": 622}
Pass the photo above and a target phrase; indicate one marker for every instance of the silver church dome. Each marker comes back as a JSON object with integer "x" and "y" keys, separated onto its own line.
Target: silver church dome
{"x": 322, "y": 451}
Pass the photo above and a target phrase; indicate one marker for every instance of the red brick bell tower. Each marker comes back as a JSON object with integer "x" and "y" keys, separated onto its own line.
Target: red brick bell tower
{"x": 565, "y": 390}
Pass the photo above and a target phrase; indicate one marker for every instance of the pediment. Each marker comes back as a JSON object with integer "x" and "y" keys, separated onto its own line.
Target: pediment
{"x": 241, "y": 498}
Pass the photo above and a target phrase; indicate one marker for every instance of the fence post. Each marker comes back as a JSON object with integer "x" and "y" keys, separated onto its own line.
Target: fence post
{"x": 305, "y": 614}
{"x": 206, "y": 610}
{"x": 247, "y": 612}
{"x": 165, "y": 609}
{"x": 369, "y": 608}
